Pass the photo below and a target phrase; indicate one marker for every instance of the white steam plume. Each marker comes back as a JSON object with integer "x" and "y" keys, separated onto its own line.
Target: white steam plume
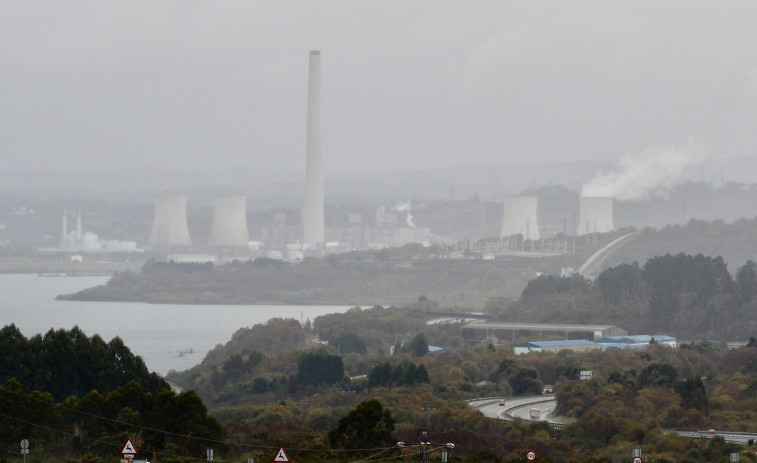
{"x": 636, "y": 176}
{"x": 406, "y": 207}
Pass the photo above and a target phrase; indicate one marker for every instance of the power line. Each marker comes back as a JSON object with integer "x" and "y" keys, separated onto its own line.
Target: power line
{"x": 169, "y": 433}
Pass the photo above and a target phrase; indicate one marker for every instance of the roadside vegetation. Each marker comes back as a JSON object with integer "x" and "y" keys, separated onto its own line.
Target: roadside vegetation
{"x": 344, "y": 387}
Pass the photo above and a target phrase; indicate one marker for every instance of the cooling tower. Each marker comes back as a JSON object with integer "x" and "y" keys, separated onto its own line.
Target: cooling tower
{"x": 312, "y": 210}
{"x": 520, "y": 217}
{"x": 229, "y": 226}
{"x": 595, "y": 215}
{"x": 169, "y": 225}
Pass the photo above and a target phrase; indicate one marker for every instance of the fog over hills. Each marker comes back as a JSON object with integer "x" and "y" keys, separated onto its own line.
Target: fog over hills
{"x": 265, "y": 187}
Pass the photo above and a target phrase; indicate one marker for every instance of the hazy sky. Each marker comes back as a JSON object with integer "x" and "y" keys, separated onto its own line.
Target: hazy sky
{"x": 207, "y": 84}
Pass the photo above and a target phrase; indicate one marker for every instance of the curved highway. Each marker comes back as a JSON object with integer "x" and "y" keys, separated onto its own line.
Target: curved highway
{"x": 517, "y": 407}
{"x": 520, "y": 408}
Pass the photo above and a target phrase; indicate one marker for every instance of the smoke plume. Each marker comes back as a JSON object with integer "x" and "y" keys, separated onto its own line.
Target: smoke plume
{"x": 636, "y": 176}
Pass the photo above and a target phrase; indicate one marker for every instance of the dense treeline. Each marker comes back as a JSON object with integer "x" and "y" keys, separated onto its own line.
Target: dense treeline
{"x": 76, "y": 396}
{"x": 64, "y": 362}
{"x": 691, "y": 297}
{"x": 94, "y": 427}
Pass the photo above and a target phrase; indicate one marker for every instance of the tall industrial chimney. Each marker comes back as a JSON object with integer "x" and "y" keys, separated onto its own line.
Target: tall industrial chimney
{"x": 78, "y": 230}
{"x": 229, "y": 226}
{"x": 169, "y": 226}
{"x": 595, "y": 215}
{"x": 521, "y": 217}
{"x": 312, "y": 210}
{"x": 64, "y": 231}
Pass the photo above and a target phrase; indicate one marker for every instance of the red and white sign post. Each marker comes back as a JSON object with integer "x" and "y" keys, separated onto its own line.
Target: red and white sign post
{"x": 281, "y": 456}
{"x": 128, "y": 452}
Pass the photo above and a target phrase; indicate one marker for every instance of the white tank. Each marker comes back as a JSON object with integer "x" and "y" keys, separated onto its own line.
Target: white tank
{"x": 520, "y": 217}
{"x": 312, "y": 210}
{"x": 169, "y": 225}
{"x": 229, "y": 226}
{"x": 595, "y": 215}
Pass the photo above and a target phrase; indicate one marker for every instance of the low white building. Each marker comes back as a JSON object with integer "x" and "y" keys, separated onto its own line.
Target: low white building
{"x": 576, "y": 345}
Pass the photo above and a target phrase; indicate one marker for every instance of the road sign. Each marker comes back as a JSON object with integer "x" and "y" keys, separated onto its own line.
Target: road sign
{"x": 531, "y": 455}
{"x": 282, "y": 456}
{"x": 129, "y": 448}
{"x": 637, "y": 460}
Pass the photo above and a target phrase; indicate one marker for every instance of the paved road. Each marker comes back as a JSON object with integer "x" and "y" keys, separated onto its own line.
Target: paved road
{"x": 520, "y": 407}
{"x": 516, "y": 407}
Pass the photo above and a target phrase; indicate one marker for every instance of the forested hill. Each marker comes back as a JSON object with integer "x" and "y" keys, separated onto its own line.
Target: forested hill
{"x": 388, "y": 277}
{"x": 690, "y": 297}
{"x": 399, "y": 276}
{"x": 734, "y": 242}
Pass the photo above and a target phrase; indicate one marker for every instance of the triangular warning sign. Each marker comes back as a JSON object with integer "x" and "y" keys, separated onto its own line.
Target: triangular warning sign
{"x": 129, "y": 448}
{"x": 282, "y": 456}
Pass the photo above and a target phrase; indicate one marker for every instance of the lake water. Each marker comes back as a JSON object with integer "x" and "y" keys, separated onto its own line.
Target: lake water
{"x": 167, "y": 337}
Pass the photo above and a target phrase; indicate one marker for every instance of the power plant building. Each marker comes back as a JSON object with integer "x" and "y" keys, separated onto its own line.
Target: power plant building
{"x": 520, "y": 217}
{"x": 229, "y": 227}
{"x": 169, "y": 226}
{"x": 312, "y": 210}
{"x": 595, "y": 215}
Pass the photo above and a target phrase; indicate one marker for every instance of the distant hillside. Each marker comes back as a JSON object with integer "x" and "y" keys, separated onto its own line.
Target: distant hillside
{"x": 399, "y": 276}
{"x": 387, "y": 277}
{"x": 735, "y": 242}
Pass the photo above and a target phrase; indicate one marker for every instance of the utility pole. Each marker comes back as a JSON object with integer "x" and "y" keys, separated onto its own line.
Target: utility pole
{"x": 428, "y": 409}
{"x": 425, "y": 447}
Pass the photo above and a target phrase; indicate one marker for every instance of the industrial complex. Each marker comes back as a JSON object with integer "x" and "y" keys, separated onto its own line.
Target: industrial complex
{"x": 295, "y": 234}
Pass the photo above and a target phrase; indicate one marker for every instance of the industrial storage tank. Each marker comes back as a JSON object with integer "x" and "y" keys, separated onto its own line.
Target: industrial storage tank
{"x": 595, "y": 215}
{"x": 520, "y": 217}
{"x": 169, "y": 225}
{"x": 229, "y": 226}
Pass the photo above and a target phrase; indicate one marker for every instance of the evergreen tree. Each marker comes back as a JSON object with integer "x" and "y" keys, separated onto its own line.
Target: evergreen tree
{"x": 368, "y": 426}
{"x": 694, "y": 395}
{"x": 320, "y": 367}
{"x": 418, "y": 346}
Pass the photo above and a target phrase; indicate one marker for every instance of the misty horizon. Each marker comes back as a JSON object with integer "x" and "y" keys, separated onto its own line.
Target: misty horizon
{"x": 405, "y": 86}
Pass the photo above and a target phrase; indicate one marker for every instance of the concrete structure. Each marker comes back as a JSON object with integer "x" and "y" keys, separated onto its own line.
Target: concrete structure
{"x": 595, "y": 215}
{"x": 312, "y": 210}
{"x": 169, "y": 226}
{"x": 229, "y": 227}
{"x": 576, "y": 345}
{"x": 503, "y": 332}
{"x": 64, "y": 231}
{"x": 636, "y": 342}
{"x": 520, "y": 217}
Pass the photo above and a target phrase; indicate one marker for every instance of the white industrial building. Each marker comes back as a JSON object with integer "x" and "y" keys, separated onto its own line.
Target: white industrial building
{"x": 576, "y": 345}
{"x": 499, "y": 332}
